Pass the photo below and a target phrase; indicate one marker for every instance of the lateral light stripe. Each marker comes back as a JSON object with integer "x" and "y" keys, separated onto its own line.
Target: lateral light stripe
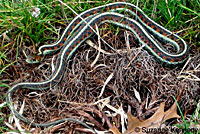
{"x": 77, "y": 34}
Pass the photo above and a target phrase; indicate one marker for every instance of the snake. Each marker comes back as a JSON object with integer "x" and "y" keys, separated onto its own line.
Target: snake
{"x": 157, "y": 30}
{"x": 80, "y": 30}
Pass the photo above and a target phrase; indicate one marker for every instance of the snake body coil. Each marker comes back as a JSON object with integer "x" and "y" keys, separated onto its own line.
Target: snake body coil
{"x": 78, "y": 31}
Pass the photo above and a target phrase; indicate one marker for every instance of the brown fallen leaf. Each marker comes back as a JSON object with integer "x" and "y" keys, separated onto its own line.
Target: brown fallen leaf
{"x": 114, "y": 130}
{"x": 159, "y": 117}
{"x": 171, "y": 112}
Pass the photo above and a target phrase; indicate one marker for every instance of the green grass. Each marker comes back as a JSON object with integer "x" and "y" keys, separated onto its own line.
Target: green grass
{"x": 2, "y": 118}
{"x": 188, "y": 126}
{"x": 30, "y": 31}
{"x": 36, "y": 31}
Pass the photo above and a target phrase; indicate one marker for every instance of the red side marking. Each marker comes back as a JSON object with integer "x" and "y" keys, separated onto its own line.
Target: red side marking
{"x": 179, "y": 59}
{"x": 77, "y": 21}
{"x": 154, "y": 50}
{"x": 158, "y": 54}
{"x": 75, "y": 45}
{"x": 122, "y": 6}
{"x": 158, "y": 30}
{"x": 45, "y": 49}
{"x": 123, "y": 22}
{"x": 112, "y": 7}
{"x": 67, "y": 53}
{"x": 115, "y": 19}
{"x": 136, "y": 30}
{"x": 61, "y": 44}
{"x": 143, "y": 20}
{"x": 151, "y": 46}
{"x": 87, "y": 15}
{"x": 139, "y": 35}
{"x": 90, "y": 30}
{"x": 71, "y": 49}
{"x": 172, "y": 60}
{"x": 164, "y": 34}
{"x": 130, "y": 8}
{"x": 65, "y": 39}
{"x": 82, "y": 38}
{"x": 55, "y": 47}
{"x": 164, "y": 57}
{"x": 181, "y": 45}
{"x": 117, "y": 6}
{"x": 95, "y": 12}
{"x": 73, "y": 27}
{"x": 50, "y": 48}
{"x": 107, "y": 8}
{"x": 87, "y": 33}
{"x": 143, "y": 38}
{"x": 68, "y": 33}
{"x": 152, "y": 26}
{"x": 170, "y": 37}
{"x": 140, "y": 16}
{"x": 78, "y": 42}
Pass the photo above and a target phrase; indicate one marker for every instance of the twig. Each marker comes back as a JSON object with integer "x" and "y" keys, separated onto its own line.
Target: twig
{"x": 170, "y": 15}
{"x": 154, "y": 9}
{"x": 90, "y": 43}
{"x": 134, "y": 57}
{"x": 106, "y": 82}
{"x": 63, "y": 11}
{"x": 185, "y": 29}
{"x": 99, "y": 42}
{"x": 191, "y": 19}
{"x": 6, "y": 32}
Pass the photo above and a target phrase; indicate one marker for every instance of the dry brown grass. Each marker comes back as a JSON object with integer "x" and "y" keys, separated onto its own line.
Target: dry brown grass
{"x": 77, "y": 94}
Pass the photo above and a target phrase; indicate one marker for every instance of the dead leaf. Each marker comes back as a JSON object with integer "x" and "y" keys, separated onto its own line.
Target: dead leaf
{"x": 155, "y": 121}
{"x": 114, "y": 130}
{"x": 171, "y": 113}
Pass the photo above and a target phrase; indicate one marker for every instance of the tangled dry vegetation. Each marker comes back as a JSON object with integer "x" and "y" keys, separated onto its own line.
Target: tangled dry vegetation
{"x": 99, "y": 88}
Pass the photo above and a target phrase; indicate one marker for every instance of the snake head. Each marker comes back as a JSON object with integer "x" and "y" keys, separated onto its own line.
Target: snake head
{"x": 33, "y": 59}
